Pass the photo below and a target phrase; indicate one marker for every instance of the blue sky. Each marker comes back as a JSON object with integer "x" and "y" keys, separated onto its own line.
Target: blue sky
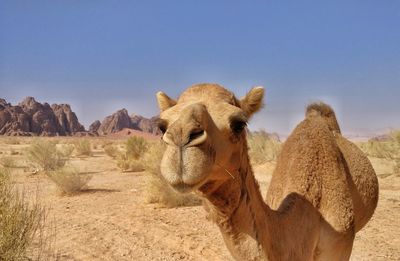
{"x": 101, "y": 56}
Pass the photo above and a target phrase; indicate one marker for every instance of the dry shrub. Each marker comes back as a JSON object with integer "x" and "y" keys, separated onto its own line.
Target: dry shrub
{"x": 396, "y": 167}
{"x": 126, "y": 163}
{"x": 12, "y": 140}
{"x": 104, "y": 143}
{"x": 43, "y": 155}
{"x": 262, "y": 147}
{"x": 21, "y": 224}
{"x": 68, "y": 180}
{"x": 387, "y": 149}
{"x": 136, "y": 147}
{"x": 7, "y": 162}
{"x": 66, "y": 150}
{"x": 83, "y": 148}
{"x": 157, "y": 190}
{"x": 380, "y": 149}
{"x": 128, "y": 158}
{"x": 111, "y": 150}
{"x": 395, "y": 136}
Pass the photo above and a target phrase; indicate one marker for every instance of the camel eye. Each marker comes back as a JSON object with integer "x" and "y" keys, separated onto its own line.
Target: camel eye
{"x": 162, "y": 125}
{"x": 237, "y": 126}
{"x": 162, "y": 129}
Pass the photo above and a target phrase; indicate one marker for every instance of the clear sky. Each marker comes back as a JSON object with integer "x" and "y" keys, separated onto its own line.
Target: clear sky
{"x": 100, "y": 56}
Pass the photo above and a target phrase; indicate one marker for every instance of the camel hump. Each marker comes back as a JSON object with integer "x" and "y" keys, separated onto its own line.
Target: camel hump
{"x": 326, "y": 112}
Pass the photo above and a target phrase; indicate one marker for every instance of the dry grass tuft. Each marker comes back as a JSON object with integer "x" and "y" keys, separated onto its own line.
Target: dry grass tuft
{"x": 43, "y": 155}
{"x": 11, "y": 140}
{"x": 83, "y": 148}
{"x": 262, "y": 147}
{"x": 128, "y": 156}
{"x": 111, "y": 150}
{"x": 21, "y": 222}
{"x": 66, "y": 150}
{"x": 377, "y": 149}
{"x": 136, "y": 147}
{"x": 388, "y": 149}
{"x": 7, "y": 162}
{"x": 157, "y": 189}
{"x": 68, "y": 180}
{"x": 395, "y": 136}
{"x": 126, "y": 163}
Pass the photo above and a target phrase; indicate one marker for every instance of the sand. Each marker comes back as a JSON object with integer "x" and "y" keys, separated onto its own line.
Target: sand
{"x": 111, "y": 221}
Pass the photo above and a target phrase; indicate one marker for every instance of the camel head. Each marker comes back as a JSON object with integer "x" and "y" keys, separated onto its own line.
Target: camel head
{"x": 204, "y": 130}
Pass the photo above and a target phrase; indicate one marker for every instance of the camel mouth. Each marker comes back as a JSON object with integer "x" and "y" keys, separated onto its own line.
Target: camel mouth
{"x": 182, "y": 187}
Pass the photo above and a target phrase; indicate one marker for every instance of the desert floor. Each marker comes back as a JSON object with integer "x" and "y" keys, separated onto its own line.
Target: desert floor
{"x": 111, "y": 221}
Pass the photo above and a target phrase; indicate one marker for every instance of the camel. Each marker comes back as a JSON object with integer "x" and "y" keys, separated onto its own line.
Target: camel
{"x": 322, "y": 191}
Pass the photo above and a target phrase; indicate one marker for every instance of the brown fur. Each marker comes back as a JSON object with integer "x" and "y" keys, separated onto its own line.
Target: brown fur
{"x": 311, "y": 165}
{"x": 322, "y": 191}
{"x": 362, "y": 181}
{"x": 360, "y": 175}
{"x": 326, "y": 112}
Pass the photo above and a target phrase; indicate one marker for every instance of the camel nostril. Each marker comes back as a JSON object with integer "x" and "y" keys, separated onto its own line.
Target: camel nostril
{"x": 195, "y": 134}
{"x": 196, "y": 137}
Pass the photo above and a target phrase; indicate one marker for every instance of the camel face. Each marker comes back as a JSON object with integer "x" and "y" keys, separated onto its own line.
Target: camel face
{"x": 204, "y": 132}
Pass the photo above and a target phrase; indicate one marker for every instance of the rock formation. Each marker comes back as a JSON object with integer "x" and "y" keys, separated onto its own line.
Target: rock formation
{"x": 115, "y": 122}
{"x": 33, "y": 118}
{"x": 94, "y": 127}
{"x": 146, "y": 125}
{"x": 121, "y": 120}
{"x": 67, "y": 118}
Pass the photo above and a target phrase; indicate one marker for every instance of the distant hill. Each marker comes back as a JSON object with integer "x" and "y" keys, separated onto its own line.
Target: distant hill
{"x": 31, "y": 118}
{"x": 121, "y": 120}
{"x": 365, "y": 135}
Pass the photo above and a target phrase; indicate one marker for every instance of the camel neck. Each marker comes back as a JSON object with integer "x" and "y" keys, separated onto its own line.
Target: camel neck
{"x": 239, "y": 210}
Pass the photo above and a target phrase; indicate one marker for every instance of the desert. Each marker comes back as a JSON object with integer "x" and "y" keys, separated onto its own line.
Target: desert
{"x": 115, "y": 218}
{"x": 199, "y": 130}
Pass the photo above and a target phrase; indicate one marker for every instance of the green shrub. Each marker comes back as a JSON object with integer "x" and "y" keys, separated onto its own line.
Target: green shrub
{"x": 44, "y": 155}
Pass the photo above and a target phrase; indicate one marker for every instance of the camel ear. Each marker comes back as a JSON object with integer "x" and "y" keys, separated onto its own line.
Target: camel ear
{"x": 253, "y": 101}
{"x": 164, "y": 102}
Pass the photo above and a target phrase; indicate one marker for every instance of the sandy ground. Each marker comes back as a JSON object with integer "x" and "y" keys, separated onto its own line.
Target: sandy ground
{"x": 110, "y": 221}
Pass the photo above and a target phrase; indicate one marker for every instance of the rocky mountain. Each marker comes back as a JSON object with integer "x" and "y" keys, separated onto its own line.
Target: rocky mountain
{"x": 30, "y": 117}
{"x": 94, "y": 127}
{"x": 144, "y": 124}
{"x": 67, "y": 118}
{"x": 121, "y": 120}
{"x": 115, "y": 122}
